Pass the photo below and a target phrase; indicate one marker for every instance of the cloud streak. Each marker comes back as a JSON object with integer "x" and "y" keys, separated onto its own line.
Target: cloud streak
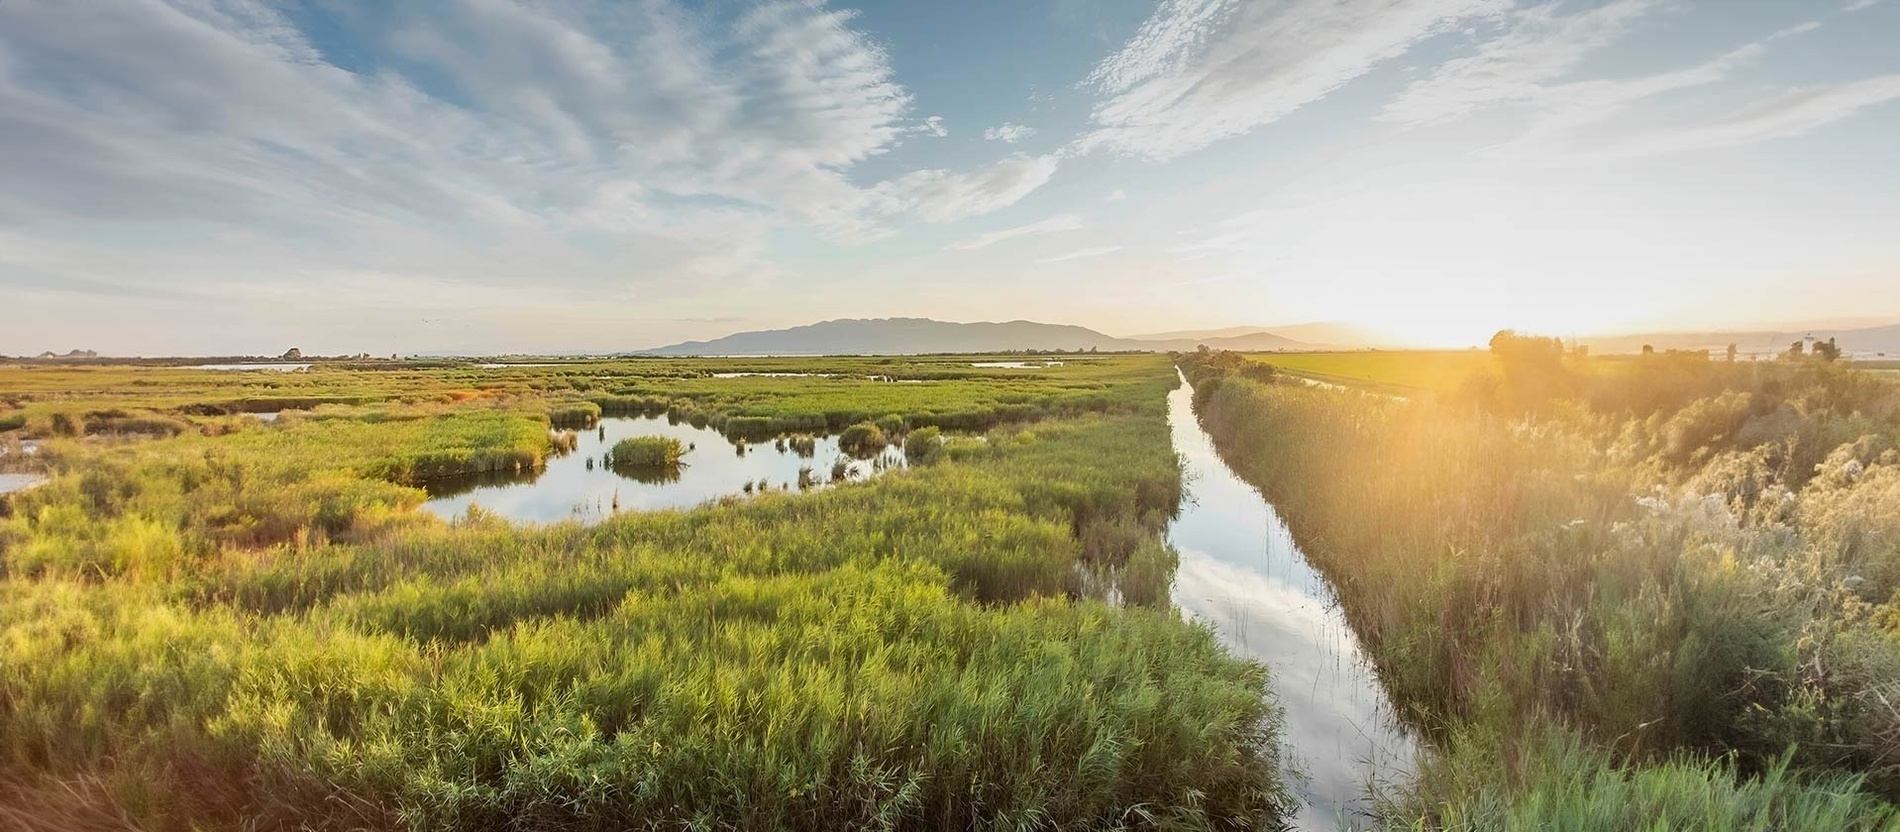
{"x": 1081, "y": 254}
{"x": 1200, "y": 71}
{"x": 1052, "y": 225}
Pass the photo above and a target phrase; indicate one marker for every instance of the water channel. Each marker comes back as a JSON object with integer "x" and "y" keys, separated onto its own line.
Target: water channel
{"x": 1243, "y": 575}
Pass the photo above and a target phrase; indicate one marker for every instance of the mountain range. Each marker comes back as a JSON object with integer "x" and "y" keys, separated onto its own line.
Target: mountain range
{"x": 911, "y": 336}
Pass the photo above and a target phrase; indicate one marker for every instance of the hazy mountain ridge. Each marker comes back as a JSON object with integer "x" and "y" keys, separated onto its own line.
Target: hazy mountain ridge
{"x": 910, "y": 336}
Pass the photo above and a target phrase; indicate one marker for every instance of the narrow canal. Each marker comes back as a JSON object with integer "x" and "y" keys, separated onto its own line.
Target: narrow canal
{"x": 1242, "y": 574}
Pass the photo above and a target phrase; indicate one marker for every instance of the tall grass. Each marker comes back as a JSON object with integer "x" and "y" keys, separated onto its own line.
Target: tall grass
{"x": 1652, "y": 556}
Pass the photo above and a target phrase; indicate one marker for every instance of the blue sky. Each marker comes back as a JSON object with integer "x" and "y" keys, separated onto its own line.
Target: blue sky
{"x": 237, "y": 176}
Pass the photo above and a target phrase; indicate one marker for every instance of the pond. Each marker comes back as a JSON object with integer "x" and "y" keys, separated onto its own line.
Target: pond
{"x": 1016, "y": 365}
{"x": 572, "y": 488}
{"x": 1243, "y": 575}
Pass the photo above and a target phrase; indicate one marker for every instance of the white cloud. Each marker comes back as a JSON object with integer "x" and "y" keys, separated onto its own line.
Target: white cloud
{"x": 1859, "y": 5}
{"x": 1008, "y": 133}
{"x": 1052, "y": 225}
{"x": 588, "y": 143}
{"x": 943, "y": 196}
{"x": 1540, "y": 46}
{"x": 1116, "y": 195}
{"x": 1081, "y": 254}
{"x": 932, "y": 126}
{"x": 1199, "y": 71}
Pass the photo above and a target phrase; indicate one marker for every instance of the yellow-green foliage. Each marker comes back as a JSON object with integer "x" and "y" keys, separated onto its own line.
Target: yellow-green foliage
{"x": 1679, "y": 555}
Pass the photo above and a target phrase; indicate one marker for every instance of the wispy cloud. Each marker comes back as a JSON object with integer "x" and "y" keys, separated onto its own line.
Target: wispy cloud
{"x": 1199, "y": 71}
{"x": 1540, "y": 45}
{"x": 1784, "y": 116}
{"x": 1052, "y": 225}
{"x": 943, "y": 196}
{"x": 1008, "y": 133}
{"x": 1081, "y": 254}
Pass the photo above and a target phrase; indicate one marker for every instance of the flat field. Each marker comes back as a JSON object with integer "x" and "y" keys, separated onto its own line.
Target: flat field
{"x": 1400, "y": 372}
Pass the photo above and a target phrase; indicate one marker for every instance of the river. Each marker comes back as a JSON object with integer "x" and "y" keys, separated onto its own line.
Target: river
{"x": 1242, "y": 574}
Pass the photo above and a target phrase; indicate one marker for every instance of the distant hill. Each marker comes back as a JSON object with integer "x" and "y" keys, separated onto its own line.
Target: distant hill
{"x": 910, "y": 336}
{"x": 1291, "y": 336}
{"x": 1864, "y": 342}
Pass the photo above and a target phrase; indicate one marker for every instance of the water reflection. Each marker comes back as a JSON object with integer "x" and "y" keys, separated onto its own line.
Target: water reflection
{"x": 1242, "y": 573}
{"x": 581, "y": 484}
{"x": 280, "y": 367}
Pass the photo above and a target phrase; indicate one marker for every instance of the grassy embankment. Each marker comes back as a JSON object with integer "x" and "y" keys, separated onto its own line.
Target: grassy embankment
{"x": 245, "y": 623}
{"x": 1615, "y": 592}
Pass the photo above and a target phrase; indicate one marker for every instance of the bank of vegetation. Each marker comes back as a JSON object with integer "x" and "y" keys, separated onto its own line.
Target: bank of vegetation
{"x": 1644, "y": 592}
{"x": 251, "y": 625}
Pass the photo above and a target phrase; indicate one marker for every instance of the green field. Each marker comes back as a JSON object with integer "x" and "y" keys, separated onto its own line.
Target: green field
{"x": 212, "y": 622}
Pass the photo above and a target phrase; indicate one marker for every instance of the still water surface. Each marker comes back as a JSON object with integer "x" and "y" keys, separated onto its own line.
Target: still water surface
{"x": 569, "y": 488}
{"x": 1242, "y": 573}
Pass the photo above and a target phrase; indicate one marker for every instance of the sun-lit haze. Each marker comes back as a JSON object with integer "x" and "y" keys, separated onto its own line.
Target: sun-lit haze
{"x": 238, "y": 176}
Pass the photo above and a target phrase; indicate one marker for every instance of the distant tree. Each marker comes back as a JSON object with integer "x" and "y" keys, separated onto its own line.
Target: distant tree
{"x": 1649, "y": 349}
{"x": 293, "y": 354}
{"x": 1731, "y": 352}
{"x": 1796, "y": 350}
{"x": 1517, "y": 349}
{"x": 1827, "y": 351}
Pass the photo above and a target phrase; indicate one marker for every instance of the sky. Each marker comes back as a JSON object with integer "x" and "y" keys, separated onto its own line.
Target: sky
{"x": 492, "y": 176}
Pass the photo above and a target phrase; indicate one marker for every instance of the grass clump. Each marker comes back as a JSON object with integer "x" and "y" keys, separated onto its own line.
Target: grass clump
{"x": 648, "y": 452}
{"x": 574, "y": 414}
{"x": 922, "y": 445}
{"x": 863, "y": 439}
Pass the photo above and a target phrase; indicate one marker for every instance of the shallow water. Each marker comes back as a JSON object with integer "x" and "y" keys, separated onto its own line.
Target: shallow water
{"x": 568, "y": 488}
{"x": 1242, "y": 573}
{"x": 1016, "y": 365}
{"x": 10, "y": 483}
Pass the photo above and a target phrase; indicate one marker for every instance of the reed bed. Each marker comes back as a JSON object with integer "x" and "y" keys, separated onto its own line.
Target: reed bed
{"x": 1609, "y": 582}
